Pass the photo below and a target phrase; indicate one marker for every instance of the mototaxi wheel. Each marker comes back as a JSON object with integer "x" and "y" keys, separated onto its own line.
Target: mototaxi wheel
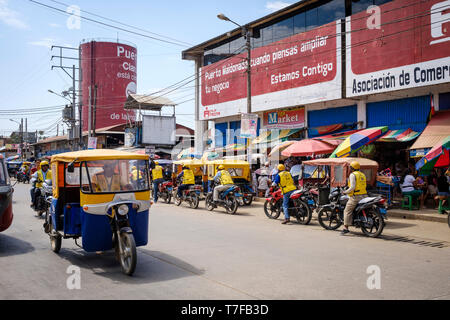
{"x": 328, "y": 219}
{"x": 271, "y": 209}
{"x": 303, "y": 212}
{"x": 248, "y": 200}
{"x": 231, "y": 204}
{"x": 195, "y": 200}
{"x": 55, "y": 242}
{"x": 372, "y": 224}
{"x": 128, "y": 257}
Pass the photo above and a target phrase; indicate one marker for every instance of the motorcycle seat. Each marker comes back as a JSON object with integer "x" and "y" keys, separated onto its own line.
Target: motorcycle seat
{"x": 366, "y": 200}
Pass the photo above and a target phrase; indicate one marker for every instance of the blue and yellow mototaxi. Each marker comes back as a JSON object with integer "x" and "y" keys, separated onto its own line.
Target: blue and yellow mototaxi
{"x": 99, "y": 198}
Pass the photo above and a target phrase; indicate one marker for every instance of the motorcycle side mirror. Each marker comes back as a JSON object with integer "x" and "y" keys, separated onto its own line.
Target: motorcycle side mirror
{"x": 48, "y": 182}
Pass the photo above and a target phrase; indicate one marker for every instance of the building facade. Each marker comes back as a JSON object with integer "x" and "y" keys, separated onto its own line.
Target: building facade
{"x": 322, "y": 67}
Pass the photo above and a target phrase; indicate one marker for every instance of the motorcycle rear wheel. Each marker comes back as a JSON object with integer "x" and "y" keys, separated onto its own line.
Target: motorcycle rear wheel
{"x": 231, "y": 204}
{"x": 194, "y": 200}
{"x": 272, "y": 210}
{"x": 328, "y": 219}
{"x": 377, "y": 223}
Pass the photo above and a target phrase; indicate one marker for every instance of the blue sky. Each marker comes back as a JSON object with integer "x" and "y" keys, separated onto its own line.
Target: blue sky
{"x": 27, "y": 31}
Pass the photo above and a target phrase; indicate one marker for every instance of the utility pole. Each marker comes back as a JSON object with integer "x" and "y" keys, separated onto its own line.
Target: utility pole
{"x": 21, "y": 138}
{"x": 90, "y": 112}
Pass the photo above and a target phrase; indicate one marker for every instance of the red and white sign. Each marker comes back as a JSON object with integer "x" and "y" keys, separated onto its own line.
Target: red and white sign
{"x": 304, "y": 68}
{"x": 401, "y": 44}
{"x": 112, "y": 67}
{"x": 285, "y": 119}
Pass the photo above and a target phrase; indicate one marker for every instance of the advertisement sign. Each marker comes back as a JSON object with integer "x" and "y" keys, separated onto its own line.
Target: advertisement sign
{"x": 285, "y": 119}
{"x": 249, "y": 125}
{"x": 301, "y": 69}
{"x": 158, "y": 130}
{"x": 130, "y": 137}
{"x": 92, "y": 143}
{"x": 112, "y": 67}
{"x": 401, "y": 44}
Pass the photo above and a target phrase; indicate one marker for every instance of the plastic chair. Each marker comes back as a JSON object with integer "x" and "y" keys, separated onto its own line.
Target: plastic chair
{"x": 409, "y": 202}
{"x": 442, "y": 208}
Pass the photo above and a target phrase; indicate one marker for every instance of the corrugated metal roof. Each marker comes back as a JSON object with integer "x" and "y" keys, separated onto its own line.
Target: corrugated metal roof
{"x": 438, "y": 128}
{"x": 146, "y": 102}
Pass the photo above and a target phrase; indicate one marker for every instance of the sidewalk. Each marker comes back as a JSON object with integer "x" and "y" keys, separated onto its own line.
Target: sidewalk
{"x": 424, "y": 214}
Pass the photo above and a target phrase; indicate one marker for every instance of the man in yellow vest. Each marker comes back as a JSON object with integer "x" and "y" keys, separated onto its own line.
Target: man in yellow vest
{"x": 157, "y": 179}
{"x": 41, "y": 175}
{"x": 188, "y": 180}
{"x": 223, "y": 177}
{"x": 107, "y": 180}
{"x": 356, "y": 191}
{"x": 285, "y": 181}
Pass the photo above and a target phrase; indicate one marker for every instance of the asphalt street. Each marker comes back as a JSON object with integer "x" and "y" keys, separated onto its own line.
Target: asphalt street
{"x": 202, "y": 255}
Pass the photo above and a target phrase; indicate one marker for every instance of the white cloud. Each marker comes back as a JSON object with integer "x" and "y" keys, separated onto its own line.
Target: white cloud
{"x": 10, "y": 17}
{"x": 54, "y": 25}
{"x": 276, "y": 5}
{"x": 46, "y": 42}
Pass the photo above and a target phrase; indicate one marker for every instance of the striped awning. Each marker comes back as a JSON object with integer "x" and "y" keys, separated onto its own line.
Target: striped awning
{"x": 399, "y": 136}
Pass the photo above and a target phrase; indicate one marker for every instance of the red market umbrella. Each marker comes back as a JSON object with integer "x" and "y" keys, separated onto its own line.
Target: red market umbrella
{"x": 309, "y": 147}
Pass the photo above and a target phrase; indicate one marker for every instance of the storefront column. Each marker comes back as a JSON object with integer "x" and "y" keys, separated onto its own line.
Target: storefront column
{"x": 436, "y": 101}
{"x": 200, "y": 126}
{"x": 306, "y": 122}
{"x": 362, "y": 114}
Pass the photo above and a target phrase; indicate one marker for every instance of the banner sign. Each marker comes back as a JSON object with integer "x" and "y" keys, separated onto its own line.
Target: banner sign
{"x": 285, "y": 119}
{"x": 398, "y": 45}
{"x": 92, "y": 143}
{"x": 249, "y": 125}
{"x": 304, "y": 68}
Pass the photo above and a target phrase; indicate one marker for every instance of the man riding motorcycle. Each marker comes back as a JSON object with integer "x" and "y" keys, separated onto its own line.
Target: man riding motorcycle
{"x": 41, "y": 175}
{"x": 188, "y": 180}
{"x": 157, "y": 179}
{"x": 286, "y": 183}
{"x": 357, "y": 191}
{"x": 223, "y": 177}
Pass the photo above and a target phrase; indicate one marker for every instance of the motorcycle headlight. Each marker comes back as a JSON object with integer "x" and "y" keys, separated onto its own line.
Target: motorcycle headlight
{"x": 122, "y": 210}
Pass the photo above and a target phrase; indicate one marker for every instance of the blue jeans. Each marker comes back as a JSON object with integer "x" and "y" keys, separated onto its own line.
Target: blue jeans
{"x": 156, "y": 184}
{"x": 181, "y": 188}
{"x": 286, "y": 198}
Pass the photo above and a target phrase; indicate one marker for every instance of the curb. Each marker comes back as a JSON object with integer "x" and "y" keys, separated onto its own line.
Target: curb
{"x": 402, "y": 214}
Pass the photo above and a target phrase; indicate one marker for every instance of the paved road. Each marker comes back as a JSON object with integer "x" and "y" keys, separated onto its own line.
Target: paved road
{"x": 197, "y": 254}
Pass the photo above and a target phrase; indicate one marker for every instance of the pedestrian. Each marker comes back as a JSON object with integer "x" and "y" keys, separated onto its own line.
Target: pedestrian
{"x": 263, "y": 184}
{"x": 443, "y": 187}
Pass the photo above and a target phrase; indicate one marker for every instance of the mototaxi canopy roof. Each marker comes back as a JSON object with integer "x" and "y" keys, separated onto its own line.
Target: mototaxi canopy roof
{"x": 98, "y": 154}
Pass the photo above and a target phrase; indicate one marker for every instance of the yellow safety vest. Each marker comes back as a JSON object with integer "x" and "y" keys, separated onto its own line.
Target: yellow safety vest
{"x": 134, "y": 174}
{"x": 225, "y": 177}
{"x": 41, "y": 179}
{"x": 188, "y": 177}
{"x": 286, "y": 182}
{"x": 102, "y": 184}
{"x": 361, "y": 184}
{"x": 157, "y": 173}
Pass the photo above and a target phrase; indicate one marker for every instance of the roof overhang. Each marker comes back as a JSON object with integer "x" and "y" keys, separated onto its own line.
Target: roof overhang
{"x": 146, "y": 102}
{"x": 197, "y": 51}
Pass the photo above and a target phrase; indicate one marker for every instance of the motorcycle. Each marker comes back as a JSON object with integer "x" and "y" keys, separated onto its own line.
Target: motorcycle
{"x": 230, "y": 199}
{"x": 191, "y": 196}
{"x": 369, "y": 214}
{"x": 23, "y": 177}
{"x": 298, "y": 205}
{"x": 165, "y": 191}
{"x": 43, "y": 197}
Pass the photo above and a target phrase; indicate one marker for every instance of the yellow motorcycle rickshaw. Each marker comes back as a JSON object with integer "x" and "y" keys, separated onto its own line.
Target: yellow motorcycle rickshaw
{"x": 240, "y": 173}
{"x": 97, "y": 197}
{"x": 193, "y": 194}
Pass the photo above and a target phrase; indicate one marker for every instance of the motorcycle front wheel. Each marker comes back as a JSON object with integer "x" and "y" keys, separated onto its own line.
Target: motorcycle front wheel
{"x": 328, "y": 219}
{"x": 272, "y": 210}
{"x": 208, "y": 202}
{"x": 304, "y": 212}
{"x": 372, "y": 224}
{"x": 177, "y": 200}
{"x": 128, "y": 257}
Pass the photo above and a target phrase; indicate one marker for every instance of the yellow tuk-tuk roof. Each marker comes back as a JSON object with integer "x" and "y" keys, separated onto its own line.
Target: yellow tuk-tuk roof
{"x": 189, "y": 162}
{"x": 98, "y": 154}
{"x": 228, "y": 162}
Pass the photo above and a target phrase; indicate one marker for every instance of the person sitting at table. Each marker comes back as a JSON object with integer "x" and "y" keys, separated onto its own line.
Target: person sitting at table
{"x": 443, "y": 188}
{"x": 408, "y": 184}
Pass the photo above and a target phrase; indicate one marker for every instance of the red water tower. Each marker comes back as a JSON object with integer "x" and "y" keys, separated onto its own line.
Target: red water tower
{"x": 108, "y": 76}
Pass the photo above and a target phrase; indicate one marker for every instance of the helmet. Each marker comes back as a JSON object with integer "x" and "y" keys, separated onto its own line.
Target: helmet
{"x": 156, "y": 162}
{"x": 221, "y": 167}
{"x": 44, "y": 163}
{"x": 281, "y": 167}
{"x": 133, "y": 168}
{"x": 355, "y": 165}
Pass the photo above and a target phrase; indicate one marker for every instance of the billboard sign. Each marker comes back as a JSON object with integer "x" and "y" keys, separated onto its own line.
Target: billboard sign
{"x": 249, "y": 125}
{"x": 285, "y": 119}
{"x": 159, "y": 130}
{"x": 398, "y": 45}
{"x": 304, "y": 68}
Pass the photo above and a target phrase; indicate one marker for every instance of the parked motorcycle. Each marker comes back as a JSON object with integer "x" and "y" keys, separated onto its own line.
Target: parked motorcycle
{"x": 43, "y": 197}
{"x": 191, "y": 196}
{"x": 369, "y": 214}
{"x": 298, "y": 205}
{"x": 165, "y": 191}
{"x": 230, "y": 199}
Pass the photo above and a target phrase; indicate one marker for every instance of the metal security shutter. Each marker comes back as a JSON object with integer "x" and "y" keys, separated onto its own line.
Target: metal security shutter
{"x": 409, "y": 113}
{"x": 235, "y": 131}
{"x": 343, "y": 115}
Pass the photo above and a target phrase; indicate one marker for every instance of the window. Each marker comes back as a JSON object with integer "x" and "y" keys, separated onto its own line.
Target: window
{"x": 299, "y": 23}
{"x": 267, "y": 35}
{"x": 237, "y": 45}
{"x": 311, "y": 19}
{"x": 360, "y": 5}
{"x": 236, "y": 172}
{"x": 331, "y": 11}
{"x": 283, "y": 29}
{"x": 339, "y": 175}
